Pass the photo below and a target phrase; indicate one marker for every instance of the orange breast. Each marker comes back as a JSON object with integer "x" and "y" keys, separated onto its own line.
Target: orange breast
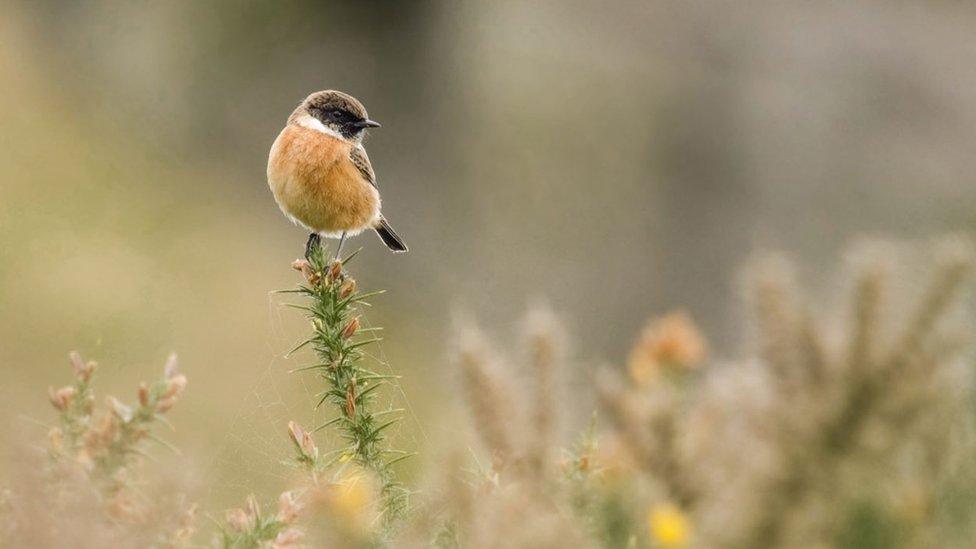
{"x": 317, "y": 185}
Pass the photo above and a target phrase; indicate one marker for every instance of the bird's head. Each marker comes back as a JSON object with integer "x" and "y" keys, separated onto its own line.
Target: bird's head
{"x": 335, "y": 113}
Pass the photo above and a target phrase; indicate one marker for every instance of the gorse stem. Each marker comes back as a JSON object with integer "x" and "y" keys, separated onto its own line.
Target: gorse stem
{"x": 339, "y": 340}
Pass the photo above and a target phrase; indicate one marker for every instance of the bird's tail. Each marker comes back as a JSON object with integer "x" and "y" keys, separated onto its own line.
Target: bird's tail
{"x": 389, "y": 236}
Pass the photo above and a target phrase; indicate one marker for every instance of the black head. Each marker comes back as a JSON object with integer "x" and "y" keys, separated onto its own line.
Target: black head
{"x": 339, "y": 112}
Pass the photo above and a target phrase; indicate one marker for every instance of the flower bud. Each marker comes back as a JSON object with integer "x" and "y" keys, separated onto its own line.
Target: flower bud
{"x": 335, "y": 271}
{"x": 351, "y": 399}
{"x": 164, "y": 405}
{"x": 350, "y": 329}
{"x": 288, "y": 507}
{"x": 291, "y": 537}
{"x": 251, "y": 506}
{"x": 140, "y": 433}
{"x": 76, "y": 362}
{"x": 62, "y": 397}
{"x": 303, "y": 441}
{"x": 120, "y": 410}
{"x": 237, "y": 520}
{"x": 347, "y": 288}
{"x": 83, "y": 370}
{"x": 143, "y": 394}
{"x": 671, "y": 344}
{"x": 307, "y": 271}
{"x": 172, "y": 366}
{"x": 102, "y": 434}
{"x": 175, "y": 386}
{"x": 121, "y": 507}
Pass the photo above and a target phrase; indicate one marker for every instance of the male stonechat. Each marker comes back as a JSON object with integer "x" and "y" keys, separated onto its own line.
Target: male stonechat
{"x": 320, "y": 175}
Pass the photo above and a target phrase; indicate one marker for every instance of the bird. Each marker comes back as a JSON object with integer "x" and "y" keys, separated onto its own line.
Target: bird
{"x": 320, "y": 175}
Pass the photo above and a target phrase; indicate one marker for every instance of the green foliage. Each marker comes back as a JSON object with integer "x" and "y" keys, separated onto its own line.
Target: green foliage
{"x": 868, "y": 526}
{"x": 249, "y": 528}
{"x": 265, "y": 530}
{"x": 339, "y": 340}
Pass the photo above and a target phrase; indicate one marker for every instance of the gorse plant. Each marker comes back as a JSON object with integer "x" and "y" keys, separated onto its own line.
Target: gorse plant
{"x": 837, "y": 430}
{"x": 92, "y": 490}
{"x": 842, "y": 430}
{"x": 248, "y": 527}
{"x": 105, "y": 446}
{"x": 353, "y": 487}
{"x": 339, "y": 339}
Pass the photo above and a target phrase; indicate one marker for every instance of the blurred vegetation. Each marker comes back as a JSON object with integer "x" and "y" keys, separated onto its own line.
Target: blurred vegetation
{"x": 617, "y": 162}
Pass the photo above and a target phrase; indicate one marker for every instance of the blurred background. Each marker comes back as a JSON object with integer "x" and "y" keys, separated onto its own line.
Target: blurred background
{"x": 616, "y": 162}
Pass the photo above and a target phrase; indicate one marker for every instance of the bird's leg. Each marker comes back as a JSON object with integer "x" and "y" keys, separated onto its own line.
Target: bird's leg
{"x": 339, "y": 247}
{"x": 313, "y": 242}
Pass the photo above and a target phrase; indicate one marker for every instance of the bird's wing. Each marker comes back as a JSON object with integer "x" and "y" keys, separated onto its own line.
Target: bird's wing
{"x": 361, "y": 161}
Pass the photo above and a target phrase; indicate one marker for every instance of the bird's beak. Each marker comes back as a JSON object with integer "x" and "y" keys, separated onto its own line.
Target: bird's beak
{"x": 367, "y": 124}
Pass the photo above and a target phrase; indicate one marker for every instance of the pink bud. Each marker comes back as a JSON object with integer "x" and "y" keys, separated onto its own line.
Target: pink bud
{"x": 172, "y": 366}
{"x": 288, "y": 507}
{"x": 143, "y": 395}
{"x": 120, "y": 410}
{"x": 164, "y": 405}
{"x": 175, "y": 386}
{"x": 62, "y": 397}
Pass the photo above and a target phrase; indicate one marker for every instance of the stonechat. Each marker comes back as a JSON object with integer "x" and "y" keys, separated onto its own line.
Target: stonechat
{"x": 320, "y": 175}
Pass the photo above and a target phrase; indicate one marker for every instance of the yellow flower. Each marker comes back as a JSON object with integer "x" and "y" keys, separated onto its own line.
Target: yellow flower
{"x": 671, "y": 343}
{"x": 349, "y": 500}
{"x": 353, "y": 496}
{"x": 668, "y": 526}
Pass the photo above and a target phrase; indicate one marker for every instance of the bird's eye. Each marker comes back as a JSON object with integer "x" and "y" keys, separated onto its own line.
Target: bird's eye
{"x": 337, "y": 115}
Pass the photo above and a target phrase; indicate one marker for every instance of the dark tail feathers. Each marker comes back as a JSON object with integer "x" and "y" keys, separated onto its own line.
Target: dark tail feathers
{"x": 389, "y": 237}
